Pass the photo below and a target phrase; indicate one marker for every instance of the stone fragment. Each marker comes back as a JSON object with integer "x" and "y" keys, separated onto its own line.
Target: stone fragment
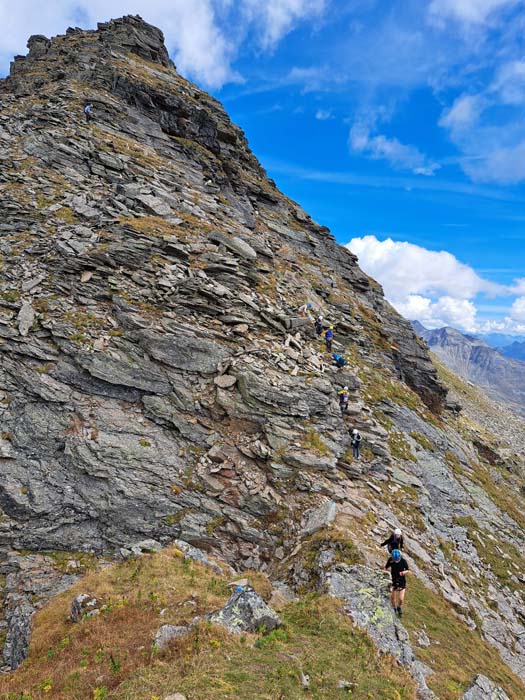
{"x": 28, "y": 285}
{"x": 235, "y": 244}
{"x": 166, "y": 633}
{"x": 192, "y": 553}
{"x": 246, "y": 611}
{"x": 84, "y": 605}
{"x": 26, "y": 317}
{"x": 422, "y": 639}
{"x": 319, "y": 518}
{"x": 145, "y": 546}
{"x": 225, "y": 381}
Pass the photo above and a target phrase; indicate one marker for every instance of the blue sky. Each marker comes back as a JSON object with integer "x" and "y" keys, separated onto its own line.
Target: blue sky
{"x": 400, "y": 124}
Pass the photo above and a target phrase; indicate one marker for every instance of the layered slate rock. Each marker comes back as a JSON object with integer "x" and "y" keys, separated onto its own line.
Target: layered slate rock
{"x": 148, "y": 311}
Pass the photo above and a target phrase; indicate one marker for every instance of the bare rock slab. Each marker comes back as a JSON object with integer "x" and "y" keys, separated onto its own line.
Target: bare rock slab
{"x": 484, "y": 689}
{"x": 246, "y": 611}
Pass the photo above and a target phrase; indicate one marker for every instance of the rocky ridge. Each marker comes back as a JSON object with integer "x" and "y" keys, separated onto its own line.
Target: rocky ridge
{"x": 502, "y": 377}
{"x": 156, "y": 380}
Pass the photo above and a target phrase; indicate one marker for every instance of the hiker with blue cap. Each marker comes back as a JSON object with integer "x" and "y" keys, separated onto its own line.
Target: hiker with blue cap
{"x": 339, "y": 360}
{"x": 398, "y": 569}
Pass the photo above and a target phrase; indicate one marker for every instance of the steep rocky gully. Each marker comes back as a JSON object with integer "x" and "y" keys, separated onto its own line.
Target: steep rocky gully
{"x": 157, "y": 382}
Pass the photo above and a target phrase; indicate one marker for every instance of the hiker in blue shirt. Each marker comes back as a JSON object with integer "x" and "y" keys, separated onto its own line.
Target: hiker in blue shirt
{"x": 329, "y": 337}
{"x": 87, "y": 112}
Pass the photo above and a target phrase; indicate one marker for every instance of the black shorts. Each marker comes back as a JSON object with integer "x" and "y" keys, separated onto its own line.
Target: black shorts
{"x": 399, "y": 584}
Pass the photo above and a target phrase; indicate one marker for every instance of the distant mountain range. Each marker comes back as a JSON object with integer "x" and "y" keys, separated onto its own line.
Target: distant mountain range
{"x": 515, "y": 350}
{"x": 500, "y": 341}
{"x": 474, "y": 359}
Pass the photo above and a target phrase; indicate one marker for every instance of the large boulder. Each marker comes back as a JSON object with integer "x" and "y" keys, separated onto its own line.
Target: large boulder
{"x": 246, "y": 611}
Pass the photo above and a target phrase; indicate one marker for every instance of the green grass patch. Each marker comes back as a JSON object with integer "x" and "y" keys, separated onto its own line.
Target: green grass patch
{"x": 399, "y": 447}
{"x": 111, "y": 657}
{"x": 423, "y": 441}
{"x": 456, "y": 653}
{"x": 314, "y": 442}
{"x": 316, "y": 640}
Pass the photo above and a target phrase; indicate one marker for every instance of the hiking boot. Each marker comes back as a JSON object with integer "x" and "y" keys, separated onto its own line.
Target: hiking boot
{"x": 399, "y": 611}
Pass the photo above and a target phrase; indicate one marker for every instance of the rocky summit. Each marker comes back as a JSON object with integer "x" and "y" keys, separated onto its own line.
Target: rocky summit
{"x": 159, "y": 380}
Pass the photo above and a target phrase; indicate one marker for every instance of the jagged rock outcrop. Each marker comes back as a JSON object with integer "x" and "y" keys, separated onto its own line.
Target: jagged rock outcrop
{"x": 151, "y": 274}
{"x": 484, "y": 689}
{"x": 366, "y": 597}
{"x": 246, "y": 611}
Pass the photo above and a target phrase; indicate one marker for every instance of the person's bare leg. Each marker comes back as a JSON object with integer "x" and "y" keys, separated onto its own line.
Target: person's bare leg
{"x": 401, "y": 597}
{"x": 393, "y": 598}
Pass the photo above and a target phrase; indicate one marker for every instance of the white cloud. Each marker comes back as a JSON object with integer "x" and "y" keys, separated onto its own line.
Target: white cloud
{"x": 276, "y": 18}
{"x": 509, "y": 83}
{"x": 434, "y": 287}
{"x": 446, "y": 311}
{"x": 488, "y": 127}
{"x": 503, "y": 165}
{"x": 517, "y": 311}
{"x": 379, "y": 147}
{"x": 463, "y": 113}
{"x": 405, "y": 269}
{"x": 199, "y": 33}
{"x": 323, "y": 115}
{"x": 467, "y": 11}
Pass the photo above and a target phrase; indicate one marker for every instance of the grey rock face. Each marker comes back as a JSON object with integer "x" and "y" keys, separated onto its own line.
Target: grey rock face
{"x": 30, "y": 581}
{"x": 484, "y": 689}
{"x": 18, "y": 636}
{"x": 164, "y": 387}
{"x": 83, "y": 606}
{"x": 183, "y": 351}
{"x": 319, "y": 518}
{"x": 134, "y": 35}
{"x": 158, "y": 311}
{"x": 246, "y": 611}
{"x": 166, "y": 633}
